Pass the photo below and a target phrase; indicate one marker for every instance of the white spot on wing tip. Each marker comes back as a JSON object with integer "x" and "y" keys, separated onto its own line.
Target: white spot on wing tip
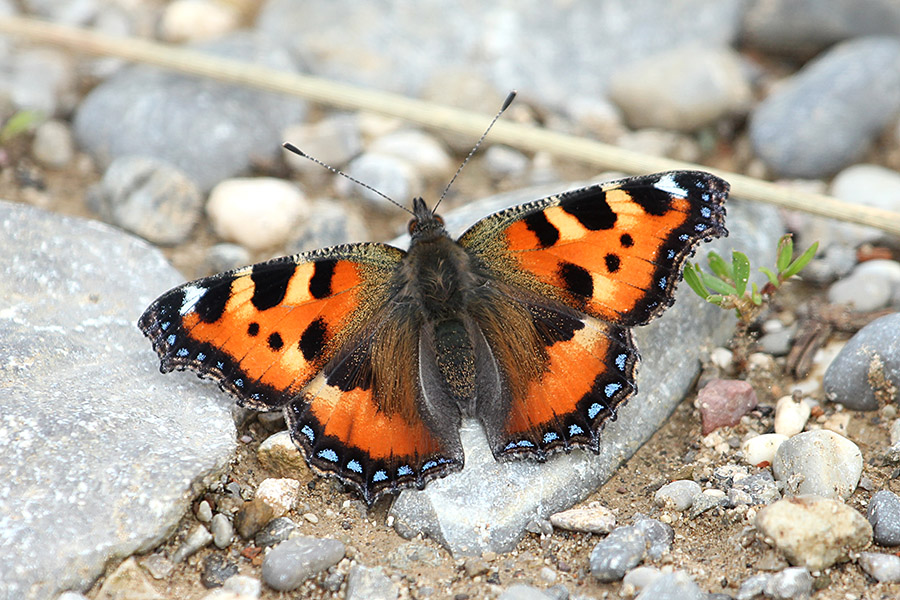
{"x": 667, "y": 184}
{"x": 192, "y": 295}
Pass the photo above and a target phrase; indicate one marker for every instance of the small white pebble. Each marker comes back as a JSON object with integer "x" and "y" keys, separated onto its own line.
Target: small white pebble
{"x": 311, "y": 517}
{"x": 722, "y": 358}
{"x": 204, "y": 512}
{"x": 790, "y": 416}
{"x": 762, "y": 448}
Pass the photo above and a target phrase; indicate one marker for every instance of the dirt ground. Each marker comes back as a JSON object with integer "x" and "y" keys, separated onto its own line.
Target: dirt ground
{"x": 719, "y": 548}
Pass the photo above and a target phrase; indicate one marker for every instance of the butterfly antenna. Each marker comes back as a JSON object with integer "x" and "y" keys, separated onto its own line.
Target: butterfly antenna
{"x": 299, "y": 152}
{"x": 506, "y": 103}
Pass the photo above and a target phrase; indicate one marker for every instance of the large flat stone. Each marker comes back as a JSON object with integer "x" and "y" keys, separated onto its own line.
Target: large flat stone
{"x": 100, "y": 454}
{"x": 487, "y": 505}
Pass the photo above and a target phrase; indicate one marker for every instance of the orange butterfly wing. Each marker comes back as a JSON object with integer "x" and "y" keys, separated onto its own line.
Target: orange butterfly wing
{"x": 613, "y": 252}
{"x": 269, "y": 334}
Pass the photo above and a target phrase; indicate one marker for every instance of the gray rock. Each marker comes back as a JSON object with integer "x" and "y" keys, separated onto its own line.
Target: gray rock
{"x": 553, "y": 54}
{"x": 222, "y": 530}
{"x": 53, "y": 145}
{"x": 334, "y": 223}
{"x": 78, "y": 287}
{"x": 216, "y": 569}
{"x": 790, "y": 584}
{"x": 292, "y": 562}
{"x": 148, "y": 197}
{"x": 677, "y": 494}
{"x": 885, "y": 568}
{"x": 225, "y": 256}
{"x": 275, "y": 531}
{"x": 866, "y": 372}
{"x": 200, "y": 125}
{"x": 814, "y": 532}
{"x": 862, "y": 185}
{"x": 468, "y": 517}
{"x": 40, "y": 80}
{"x": 818, "y": 122}
{"x": 872, "y": 285}
{"x": 198, "y": 537}
{"x": 334, "y": 140}
{"x": 390, "y": 175}
{"x": 760, "y": 487}
{"x": 802, "y": 28}
{"x": 503, "y": 161}
{"x": 884, "y": 516}
{"x": 421, "y": 150}
{"x": 659, "y": 535}
{"x": 521, "y": 591}
{"x": 778, "y": 343}
{"x": 623, "y": 549}
{"x": 682, "y": 89}
{"x": 672, "y": 586}
{"x": 370, "y": 583}
{"x": 753, "y": 586}
{"x": 819, "y": 462}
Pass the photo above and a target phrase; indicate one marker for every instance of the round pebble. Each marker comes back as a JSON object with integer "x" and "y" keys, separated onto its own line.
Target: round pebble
{"x": 42, "y": 80}
{"x": 198, "y": 538}
{"x": 795, "y": 582}
{"x": 658, "y": 535}
{"x": 280, "y": 494}
{"x": 222, "y": 530}
{"x": 817, "y": 121}
{"x": 278, "y": 454}
{"x": 252, "y": 516}
{"x": 293, "y": 561}
{"x": 274, "y": 532}
{"x": 503, "y": 161}
{"x": 790, "y": 416}
{"x": 866, "y": 372}
{"x": 864, "y": 185}
{"x": 884, "y": 515}
{"x": 618, "y": 552}
{"x": 417, "y": 148}
{"x": 257, "y": 212}
{"x": 871, "y": 286}
{"x": 197, "y": 20}
{"x": 640, "y": 577}
{"x": 369, "y": 583}
{"x": 678, "y": 495}
{"x": 885, "y": 568}
{"x": 243, "y": 585}
{"x": 818, "y": 462}
{"x": 814, "y": 532}
{"x": 761, "y": 449}
{"x": 591, "y": 519}
{"x": 672, "y": 586}
{"x": 204, "y": 512}
{"x": 334, "y": 140}
{"x": 722, "y": 403}
{"x": 334, "y": 224}
{"x": 682, "y": 89}
{"x": 390, "y": 175}
{"x": 148, "y": 197}
{"x": 53, "y": 145}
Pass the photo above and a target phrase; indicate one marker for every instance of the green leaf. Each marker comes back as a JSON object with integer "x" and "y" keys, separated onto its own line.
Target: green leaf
{"x": 785, "y": 252}
{"x": 755, "y": 296}
{"x": 741, "y": 269}
{"x": 717, "y": 285}
{"x": 716, "y": 299}
{"x": 19, "y": 123}
{"x": 802, "y": 260}
{"x": 718, "y": 266}
{"x": 773, "y": 278}
{"x": 693, "y": 280}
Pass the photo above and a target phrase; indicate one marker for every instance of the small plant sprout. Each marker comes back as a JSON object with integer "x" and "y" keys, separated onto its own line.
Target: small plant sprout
{"x": 727, "y": 285}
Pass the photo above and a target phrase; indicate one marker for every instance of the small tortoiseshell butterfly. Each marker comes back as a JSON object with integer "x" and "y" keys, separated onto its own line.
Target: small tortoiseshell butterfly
{"x": 375, "y": 354}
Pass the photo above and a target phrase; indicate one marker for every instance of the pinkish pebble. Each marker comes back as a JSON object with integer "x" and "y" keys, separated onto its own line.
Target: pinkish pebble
{"x": 722, "y": 403}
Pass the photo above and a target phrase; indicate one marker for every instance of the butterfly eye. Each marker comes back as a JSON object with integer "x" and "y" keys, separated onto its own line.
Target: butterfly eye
{"x": 413, "y": 223}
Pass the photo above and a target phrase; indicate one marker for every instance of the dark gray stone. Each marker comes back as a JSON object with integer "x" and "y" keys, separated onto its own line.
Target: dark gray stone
{"x": 292, "y": 562}
{"x": 623, "y": 549}
{"x": 866, "y": 372}
{"x": 659, "y": 535}
{"x": 802, "y": 28}
{"x": 275, "y": 531}
{"x": 884, "y": 516}
{"x": 468, "y": 517}
{"x": 818, "y": 122}
{"x": 101, "y": 454}
{"x": 203, "y": 127}
{"x": 216, "y": 569}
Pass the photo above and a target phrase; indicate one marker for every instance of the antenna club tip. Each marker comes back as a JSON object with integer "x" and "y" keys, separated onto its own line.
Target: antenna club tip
{"x": 289, "y": 146}
{"x": 509, "y": 100}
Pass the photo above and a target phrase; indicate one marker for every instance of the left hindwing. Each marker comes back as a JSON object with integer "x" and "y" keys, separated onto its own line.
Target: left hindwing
{"x": 613, "y": 250}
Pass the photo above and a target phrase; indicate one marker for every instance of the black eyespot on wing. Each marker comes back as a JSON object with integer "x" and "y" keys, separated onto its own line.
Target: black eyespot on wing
{"x": 320, "y": 282}
{"x": 253, "y": 329}
{"x": 590, "y": 207}
{"x": 212, "y": 303}
{"x": 576, "y": 279}
{"x": 270, "y": 284}
{"x": 547, "y": 234}
{"x": 313, "y": 339}
{"x": 626, "y": 240}
{"x": 612, "y": 262}
{"x": 275, "y": 342}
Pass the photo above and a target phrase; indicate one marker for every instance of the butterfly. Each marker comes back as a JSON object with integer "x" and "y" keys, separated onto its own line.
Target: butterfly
{"x": 375, "y": 354}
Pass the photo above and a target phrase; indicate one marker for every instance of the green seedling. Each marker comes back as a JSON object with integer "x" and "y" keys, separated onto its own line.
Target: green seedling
{"x": 18, "y": 124}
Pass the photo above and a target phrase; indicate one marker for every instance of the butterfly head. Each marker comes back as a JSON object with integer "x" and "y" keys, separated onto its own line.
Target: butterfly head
{"x": 425, "y": 225}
